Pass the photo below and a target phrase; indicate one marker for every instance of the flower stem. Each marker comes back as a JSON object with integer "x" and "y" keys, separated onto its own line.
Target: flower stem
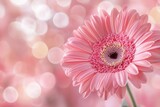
{"x": 131, "y": 96}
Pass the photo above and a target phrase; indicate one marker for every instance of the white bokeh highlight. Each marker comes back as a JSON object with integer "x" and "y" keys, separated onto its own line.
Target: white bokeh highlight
{"x": 83, "y": 1}
{"x": 41, "y": 28}
{"x": 55, "y": 55}
{"x": 105, "y": 5}
{"x": 10, "y": 94}
{"x": 61, "y": 20}
{"x": 39, "y": 50}
{"x": 64, "y": 3}
{"x": 47, "y": 80}
{"x": 33, "y": 90}
{"x": 2, "y": 11}
{"x": 28, "y": 25}
{"x": 19, "y": 2}
{"x": 78, "y": 10}
{"x": 42, "y": 11}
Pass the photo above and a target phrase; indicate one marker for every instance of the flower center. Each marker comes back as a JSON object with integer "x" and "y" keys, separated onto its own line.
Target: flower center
{"x": 113, "y": 53}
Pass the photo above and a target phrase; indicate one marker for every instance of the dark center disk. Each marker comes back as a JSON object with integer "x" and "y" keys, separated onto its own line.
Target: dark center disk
{"x": 113, "y": 55}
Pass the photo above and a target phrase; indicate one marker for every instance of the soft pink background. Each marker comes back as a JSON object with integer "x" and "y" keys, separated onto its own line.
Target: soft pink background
{"x": 32, "y": 34}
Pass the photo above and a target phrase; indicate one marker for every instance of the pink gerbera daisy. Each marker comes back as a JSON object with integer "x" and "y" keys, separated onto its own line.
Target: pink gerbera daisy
{"x": 109, "y": 51}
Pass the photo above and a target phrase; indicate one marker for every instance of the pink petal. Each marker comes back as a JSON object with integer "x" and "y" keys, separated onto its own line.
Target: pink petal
{"x": 132, "y": 69}
{"x": 108, "y": 81}
{"x": 143, "y": 38}
{"x": 72, "y": 64}
{"x": 97, "y": 81}
{"x": 105, "y": 95}
{"x": 100, "y": 92}
{"x": 138, "y": 28}
{"x": 75, "y": 70}
{"x": 142, "y": 77}
{"x": 138, "y": 79}
{"x": 84, "y": 75}
{"x": 73, "y": 55}
{"x": 119, "y": 22}
{"x": 145, "y": 69}
{"x": 131, "y": 31}
{"x": 155, "y": 36}
{"x": 103, "y": 13}
{"x": 86, "y": 94}
{"x": 84, "y": 86}
{"x": 72, "y": 47}
{"x": 77, "y": 34}
{"x": 120, "y": 92}
{"x": 75, "y": 83}
{"x": 155, "y": 55}
{"x": 129, "y": 18}
{"x": 108, "y": 25}
{"x": 93, "y": 82}
{"x": 100, "y": 80}
{"x": 141, "y": 56}
{"x": 90, "y": 30}
{"x": 135, "y": 82}
{"x": 83, "y": 30}
{"x": 143, "y": 63}
{"x": 144, "y": 18}
{"x": 98, "y": 28}
{"x": 149, "y": 36}
{"x": 78, "y": 44}
{"x": 141, "y": 31}
{"x": 132, "y": 21}
{"x": 103, "y": 16}
{"x": 121, "y": 78}
{"x": 156, "y": 45}
{"x": 144, "y": 47}
{"x": 73, "y": 60}
{"x": 114, "y": 14}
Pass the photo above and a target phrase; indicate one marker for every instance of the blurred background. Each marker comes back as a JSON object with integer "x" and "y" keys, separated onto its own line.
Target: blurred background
{"x": 32, "y": 34}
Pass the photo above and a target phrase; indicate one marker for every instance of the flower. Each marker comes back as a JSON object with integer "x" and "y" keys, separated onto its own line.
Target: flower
{"x": 109, "y": 51}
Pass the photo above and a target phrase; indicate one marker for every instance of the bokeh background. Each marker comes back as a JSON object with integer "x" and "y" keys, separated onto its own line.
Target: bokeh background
{"x": 32, "y": 34}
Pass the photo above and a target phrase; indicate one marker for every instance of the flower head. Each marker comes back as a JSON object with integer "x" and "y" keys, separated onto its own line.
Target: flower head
{"x": 109, "y": 51}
